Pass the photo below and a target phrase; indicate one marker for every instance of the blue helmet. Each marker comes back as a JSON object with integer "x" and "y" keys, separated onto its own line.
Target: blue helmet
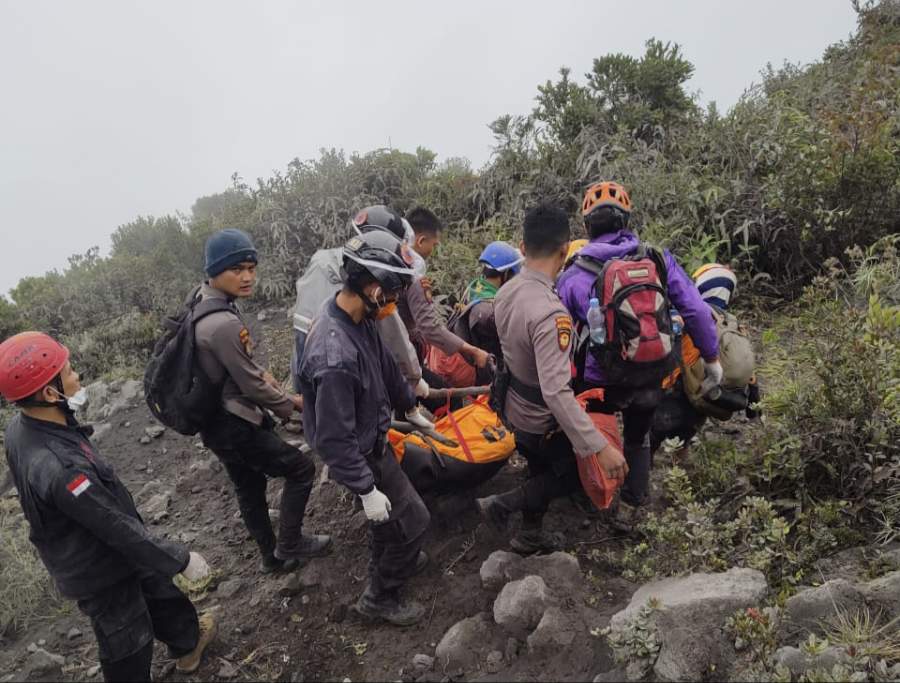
{"x": 502, "y": 257}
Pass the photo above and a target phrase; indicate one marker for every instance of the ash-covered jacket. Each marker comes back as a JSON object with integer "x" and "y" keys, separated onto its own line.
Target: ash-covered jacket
{"x": 350, "y": 383}
{"x": 83, "y": 520}
{"x": 574, "y": 287}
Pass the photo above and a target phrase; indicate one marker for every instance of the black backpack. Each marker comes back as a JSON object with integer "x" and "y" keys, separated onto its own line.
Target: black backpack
{"x": 178, "y": 392}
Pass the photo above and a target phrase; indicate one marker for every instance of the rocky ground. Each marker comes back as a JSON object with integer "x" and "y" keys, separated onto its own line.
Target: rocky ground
{"x": 492, "y": 615}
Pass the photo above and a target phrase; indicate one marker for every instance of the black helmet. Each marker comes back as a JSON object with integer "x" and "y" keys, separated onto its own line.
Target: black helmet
{"x": 379, "y": 217}
{"x": 377, "y": 254}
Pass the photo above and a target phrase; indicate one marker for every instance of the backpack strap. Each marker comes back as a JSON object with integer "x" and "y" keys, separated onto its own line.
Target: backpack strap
{"x": 529, "y": 392}
{"x": 590, "y": 264}
{"x": 201, "y": 309}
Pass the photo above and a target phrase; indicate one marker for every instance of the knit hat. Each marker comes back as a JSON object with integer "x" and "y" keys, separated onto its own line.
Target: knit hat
{"x": 716, "y": 283}
{"x": 227, "y": 248}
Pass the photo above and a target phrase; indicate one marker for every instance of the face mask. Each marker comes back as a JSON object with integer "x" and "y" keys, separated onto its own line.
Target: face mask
{"x": 76, "y": 401}
{"x": 385, "y": 311}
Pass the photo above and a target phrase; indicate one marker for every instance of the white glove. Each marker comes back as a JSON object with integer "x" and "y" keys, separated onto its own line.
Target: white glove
{"x": 196, "y": 569}
{"x": 376, "y": 505}
{"x": 713, "y": 376}
{"x": 415, "y": 418}
{"x": 422, "y": 389}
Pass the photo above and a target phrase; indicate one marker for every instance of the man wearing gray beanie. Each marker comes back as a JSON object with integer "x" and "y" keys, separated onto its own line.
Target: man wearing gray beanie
{"x": 242, "y": 433}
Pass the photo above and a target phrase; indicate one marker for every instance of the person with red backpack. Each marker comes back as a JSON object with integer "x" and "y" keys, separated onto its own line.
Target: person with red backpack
{"x": 619, "y": 291}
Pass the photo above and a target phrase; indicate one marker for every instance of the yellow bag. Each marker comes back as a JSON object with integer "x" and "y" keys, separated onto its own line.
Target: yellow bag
{"x": 478, "y": 444}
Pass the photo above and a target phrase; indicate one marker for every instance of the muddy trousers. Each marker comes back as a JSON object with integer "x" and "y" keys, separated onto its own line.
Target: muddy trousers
{"x": 676, "y": 417}
{"x": 250, "y": 454}
{"x": 395, "y": 544}
{"x": 552, "y": 472}
{"x": 637, "y": 407}
{"x": 127, "y": 617}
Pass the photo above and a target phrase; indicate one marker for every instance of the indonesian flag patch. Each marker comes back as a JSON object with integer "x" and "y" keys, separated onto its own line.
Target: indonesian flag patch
{"x": 78, "y": 485}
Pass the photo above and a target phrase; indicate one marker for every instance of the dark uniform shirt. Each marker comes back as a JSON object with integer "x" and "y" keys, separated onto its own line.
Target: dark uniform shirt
{"x": 83, "y": 520}
{"x": 226, "y": 356}
{"x": 349, "y": 382}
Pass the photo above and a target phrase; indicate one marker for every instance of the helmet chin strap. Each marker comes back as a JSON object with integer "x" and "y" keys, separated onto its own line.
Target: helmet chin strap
{"x": 62, "y": 403}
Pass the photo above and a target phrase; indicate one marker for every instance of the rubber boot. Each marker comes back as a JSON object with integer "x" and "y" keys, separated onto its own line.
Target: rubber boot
{"x": 314, "y": 545}
{"x": 624, "y": 517}
{"x": 390, "y": 608}
{"x": 496, "y": 510}
{"x": 189, "y": 663}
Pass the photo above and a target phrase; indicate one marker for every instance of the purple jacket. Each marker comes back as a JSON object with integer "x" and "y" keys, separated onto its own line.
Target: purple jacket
{"x": 574, "y": 287}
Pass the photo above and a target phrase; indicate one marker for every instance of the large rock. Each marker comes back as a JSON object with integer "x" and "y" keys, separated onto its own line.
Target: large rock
{"x": 97, "y": 399}
{"x": 560, "y": 570}
{"x": 131, "y": 390}
{"x": 521, "y": 604}
{"x": 809, "y": 611}
{"x": 556, "y": 630}
{"x": 798, "y": 662}
{"x": 689, "y": 618}
{"x": 462, "y": 646}
{"x": 884, "y": 593}
{"x": 101, "y": 429}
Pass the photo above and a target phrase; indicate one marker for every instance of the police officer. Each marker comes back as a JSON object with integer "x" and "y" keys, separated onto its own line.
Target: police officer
{"x": 550, "y": 426}
{"x": 350, "y": 382}
{"x": 241, "y": 434}
{"x": 84, "y": 523}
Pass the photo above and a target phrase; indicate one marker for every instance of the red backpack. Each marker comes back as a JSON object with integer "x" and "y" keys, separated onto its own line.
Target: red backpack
{"x": 640, "y": 348}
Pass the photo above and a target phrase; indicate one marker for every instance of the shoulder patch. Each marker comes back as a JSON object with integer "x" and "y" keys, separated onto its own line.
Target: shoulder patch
{"x": 563, "y": 331}
{"x": 246, "y": 342}
{"x": 78, "y": 485}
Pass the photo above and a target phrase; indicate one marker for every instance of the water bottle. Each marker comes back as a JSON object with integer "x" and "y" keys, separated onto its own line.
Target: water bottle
{"x": 677, "y": 325}
{"x": 596, "y": 323}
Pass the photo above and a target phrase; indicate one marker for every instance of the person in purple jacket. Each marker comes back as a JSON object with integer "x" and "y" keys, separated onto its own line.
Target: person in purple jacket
{"x": 606, "y": 210}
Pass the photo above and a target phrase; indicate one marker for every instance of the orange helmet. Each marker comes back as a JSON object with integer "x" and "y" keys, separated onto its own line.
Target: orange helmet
{"x": 605, "y": 193}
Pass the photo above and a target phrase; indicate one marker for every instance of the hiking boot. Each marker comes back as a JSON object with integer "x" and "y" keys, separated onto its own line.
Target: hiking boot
{"x": 421, "y": 563}
{"x": 391, "y": 609}
{"x": 189, "y": 663}
{"x": 315, "y": 545}
{"x": 495, "y": 510}
{"x": 624, "y": 517}
{"x": 537, "y": 540}
{"x": 269, "y": 564}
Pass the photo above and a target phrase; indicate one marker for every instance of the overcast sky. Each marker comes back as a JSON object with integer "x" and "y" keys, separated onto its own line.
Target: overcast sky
{"x": 115, "y": 109}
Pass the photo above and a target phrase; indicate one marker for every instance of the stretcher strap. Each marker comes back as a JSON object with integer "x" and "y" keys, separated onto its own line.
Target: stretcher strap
{"x": 459, "y": 435}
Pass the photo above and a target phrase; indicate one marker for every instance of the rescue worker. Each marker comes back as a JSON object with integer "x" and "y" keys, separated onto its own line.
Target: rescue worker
{"x": 606, "y": 210}
{"x": 677, "y": 417}
{"x": 85, "y": 526}
{"x": 322, "y": 280}
{"x": 350, "y": 382}
{"x": 550, "y": 426}
{"x": 417, "y": 305}
{"x": 242, "y": 433}
{"x": 473, "y": 320}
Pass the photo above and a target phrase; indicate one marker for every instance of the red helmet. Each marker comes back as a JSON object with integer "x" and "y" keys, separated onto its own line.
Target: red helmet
{"x": 28, "y": 361}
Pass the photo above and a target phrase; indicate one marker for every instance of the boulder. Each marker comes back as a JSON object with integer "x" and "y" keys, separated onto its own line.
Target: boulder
{"x": 884, "y": 593}
{"x": 521, "y": 604}
{"x": 554, "y": 632}
{"x": 689, "y": 619}
{"x": 97, "y": 399}
{"x": 797, "y": 661}
{"x": 809, "y": 610}
{"x": 461, "y": 646}
{"x": 131, "y": 390}
{"x": 560, "y": 570}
